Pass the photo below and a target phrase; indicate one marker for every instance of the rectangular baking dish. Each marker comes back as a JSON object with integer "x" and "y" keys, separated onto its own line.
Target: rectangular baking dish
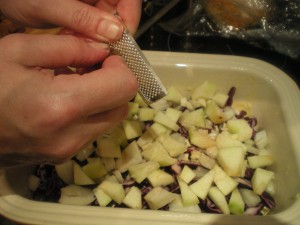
{"x": 276, "y": 103}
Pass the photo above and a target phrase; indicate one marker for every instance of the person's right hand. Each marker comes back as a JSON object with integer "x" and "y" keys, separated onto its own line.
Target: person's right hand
{"x": 48, "y": 118}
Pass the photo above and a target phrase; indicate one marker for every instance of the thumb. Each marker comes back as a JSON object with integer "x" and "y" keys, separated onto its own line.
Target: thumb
{"x": 53, "y": 51}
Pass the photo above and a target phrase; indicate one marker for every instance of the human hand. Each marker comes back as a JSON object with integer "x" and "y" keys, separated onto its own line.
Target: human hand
{"x": 91, "y": 18}
{"x": 48, "y": 118}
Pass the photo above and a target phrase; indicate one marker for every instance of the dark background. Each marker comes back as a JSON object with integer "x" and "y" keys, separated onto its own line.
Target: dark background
{"x": 157, "y": 39}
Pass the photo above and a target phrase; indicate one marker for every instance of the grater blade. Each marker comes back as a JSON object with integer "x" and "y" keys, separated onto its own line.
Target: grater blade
{"x": 149, "y": 85}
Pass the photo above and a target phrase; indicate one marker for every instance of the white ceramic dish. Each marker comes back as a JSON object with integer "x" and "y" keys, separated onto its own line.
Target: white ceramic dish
{"x": 276, "y": 103}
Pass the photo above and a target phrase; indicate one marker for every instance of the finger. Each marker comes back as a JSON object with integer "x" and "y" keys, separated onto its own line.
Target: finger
{"x": 81, "y": 17}
{"x": 53, "y": 51}
{"x": 101, "y": 90}
{"x": 130, "y": 12}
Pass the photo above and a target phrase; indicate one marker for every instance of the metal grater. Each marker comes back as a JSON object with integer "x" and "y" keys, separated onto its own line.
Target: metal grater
{"x": 149, "y": 85}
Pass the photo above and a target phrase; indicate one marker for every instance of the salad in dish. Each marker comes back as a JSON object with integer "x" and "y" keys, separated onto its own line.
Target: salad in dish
{"x": 195, "y": 150}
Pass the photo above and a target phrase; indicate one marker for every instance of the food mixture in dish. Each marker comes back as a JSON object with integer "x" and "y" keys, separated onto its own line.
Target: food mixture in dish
{"x": 196, "y": 150}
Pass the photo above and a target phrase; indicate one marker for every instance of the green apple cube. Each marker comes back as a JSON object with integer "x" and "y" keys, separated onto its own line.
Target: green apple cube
{"x": 204, "y": 160}
{"x": 145, "y": 139}
{"x": 200, "y": 138}
{"x": 260, "y": 180}
{"x": 113, "y": 190}
{"x": 132, "y": 128}
{"x": 193, "y": 118}
{"x": 250, "y": 198}
{"x": 173, "y": 114}
{"x": 133, "y": 198}
{"x": 84, "y": 153}
{"x": 178, "y": 206}
{"x": 94, "y": 168}
{"x": 261, "y": 139}
{"x": 257, "y": 161}
{"x": 223, "y": 181}
{"x": 108, "y": 147}
{"x": 241, "y": 128}
{"x": 188, "y": 196}
{"x": 102, "y": 198}
{"x": 217, "y": 196}
{"x": 138, "y": 99}
{"x": 156, "y": 152}
{"x": 187, "y": 174}
{"x": 236, "y": 203}
{"x": 202, "y": 185}
{"x": 109, "y": 163}
{"x": 173, "y": 95}
{"x": 156, "y": 129}
{"x": 232, "y": 160}
{"x": 131, "y": 155}
{"x": 226, "y": 140}
{"x": 118, "y": 135}
{"x": 220, "y": 99}
{"x": 159, "y": 197}
{"x": 159, "y": 178}
{"x": 80, "y": 177}
{"x": 164, "y": 120}
{"x": 76, "y": 195}
{"x": 174, "y": 145}
{"x": 133, "y": 109}
{"x": 146, "y": 114}
{"x": 214, "y": 112}
{"x": 141, "y": 171}
{"x": 65, "y": 171}
{"x": 206, "y": 90}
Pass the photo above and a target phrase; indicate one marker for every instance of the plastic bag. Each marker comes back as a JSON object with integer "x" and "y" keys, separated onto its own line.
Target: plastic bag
{"x": 268, "y": 24}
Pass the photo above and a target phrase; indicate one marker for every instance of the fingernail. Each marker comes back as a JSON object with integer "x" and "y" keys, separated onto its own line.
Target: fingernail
{"x": 109, "y": 29}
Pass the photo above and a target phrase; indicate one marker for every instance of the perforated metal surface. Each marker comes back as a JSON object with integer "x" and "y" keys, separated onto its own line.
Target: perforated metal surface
{"x": 150, "y": 86}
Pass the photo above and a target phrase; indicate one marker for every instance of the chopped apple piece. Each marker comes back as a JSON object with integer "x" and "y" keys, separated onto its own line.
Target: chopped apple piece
{"x": 138, "y": 99}
{"x": 94, "y": 168}
{"x": 113, "y": 190}
{"x": 224, "y": 182}
{"x": 156, "y": 152}
{"x": 102, "y": 198}
{"x": 76, "y": 195}
{"x": 202, "y": 186}
{"x": 84, "y": 153}
{"x": 200, "y": 138}
{"x": 241, "y": 128}
{"x": 173, "y": 114}
{"x": 261, "y": 139}
{"x": 204, "y": 160}
{"x": 178, "y": 206}
{"x": 140, "y": 171}
{"x": 131, "y": 155}
{"x": 146, "y": 114}
{"x": 226, "y": 140}
{"x": 107, "y": 147}
{"x": 173, "y": 95}
{"x": 65, "y": 171}
{"x": 160, "y": 178}
{"x": 257, "y": 161}
{"x": 163, "y": 119}
{"x": 174, "y": 146}
{"x": 187, "y": 174}
{"x": 232, "y": 160}
{"x": 118, "y": 135}
{"x": 236, "y": 203}
{"x": 80, "y": 177}
{"x": 220, "y": 99}
{"x": 250, "y": 198}
{"x": 188, "y": 196}
{"x": 206, "y": 90}
{"x": 132, "y": 128}
{"x": 218, "y": 197}
{"x": 193, "y": 118}
{"x": 214, "y": 112}
{"x": 157, "y": 129}
{"x": 133, "y": 109}
{"x": 260, "y": 180}
{"x": 159, "y": 197}
{"x": 109, "y": 163}
{"x": 133, "y": 198}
